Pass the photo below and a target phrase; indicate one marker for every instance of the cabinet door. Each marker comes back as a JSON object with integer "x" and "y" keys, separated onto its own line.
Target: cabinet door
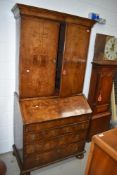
{"x": 74, "y": 59}
{"x": 104, "y": 86}
{"x": 100, "y": 89}
{"x": 39, "y": 44}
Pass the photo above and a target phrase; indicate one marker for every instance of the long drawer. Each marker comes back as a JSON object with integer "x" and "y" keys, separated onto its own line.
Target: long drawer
{"x": 31, "y": 137}
{"x": 48, "y": 157}
{"x": 57, "y": 142}
{"x": 54, "y": 123}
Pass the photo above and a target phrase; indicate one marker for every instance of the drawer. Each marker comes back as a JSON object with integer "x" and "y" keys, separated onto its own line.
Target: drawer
{"x": 31, "y": 137}
{"x": 54, "y": 123}
{"x": 53, "y": 155}
{"x": 55, "y": 143}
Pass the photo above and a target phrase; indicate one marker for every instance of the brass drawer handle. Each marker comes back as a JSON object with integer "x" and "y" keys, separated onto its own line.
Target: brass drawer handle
{"x": 33, "y": 136}
{"x": 83, "y": 127}
{"x": 43, "y": 133}
{"x": 58, "y": 150}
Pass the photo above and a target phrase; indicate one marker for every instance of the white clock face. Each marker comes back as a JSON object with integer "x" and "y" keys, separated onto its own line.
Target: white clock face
{"x": 110, "y": 52}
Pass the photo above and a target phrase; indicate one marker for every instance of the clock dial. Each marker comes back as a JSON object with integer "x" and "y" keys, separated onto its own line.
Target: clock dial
{"x": 110, "y": 52}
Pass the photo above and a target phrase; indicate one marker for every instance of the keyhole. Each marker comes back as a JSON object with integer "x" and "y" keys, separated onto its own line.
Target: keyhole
{"x": 99, "y": 98}
{"x": 64, "y": 72}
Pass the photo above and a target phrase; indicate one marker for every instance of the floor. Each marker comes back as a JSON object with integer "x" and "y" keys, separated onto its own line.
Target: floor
{"x": 71, "y": 166}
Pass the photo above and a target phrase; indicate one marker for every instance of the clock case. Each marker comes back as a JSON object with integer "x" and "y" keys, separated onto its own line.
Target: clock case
{"x": 99, "y": 55}
{"x": 111, "y": 49}
{"x": 102, "y": 77}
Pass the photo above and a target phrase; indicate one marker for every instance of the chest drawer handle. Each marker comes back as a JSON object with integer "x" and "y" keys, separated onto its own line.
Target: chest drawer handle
{"x": 43, "y": 133}
{"x": 33, "y": 136}
{"x": 83, "y": 126}
{"x": 58, "y": 150}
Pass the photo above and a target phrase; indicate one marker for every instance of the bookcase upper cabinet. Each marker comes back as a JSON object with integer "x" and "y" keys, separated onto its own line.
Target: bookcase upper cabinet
{"x": 51, "y": 52}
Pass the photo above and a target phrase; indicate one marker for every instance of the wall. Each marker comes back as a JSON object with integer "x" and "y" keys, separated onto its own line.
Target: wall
{"x": 107, "y": 10}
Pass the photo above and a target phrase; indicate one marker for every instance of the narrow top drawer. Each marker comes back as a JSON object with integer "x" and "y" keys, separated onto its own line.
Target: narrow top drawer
{"x": 36, "y": 127}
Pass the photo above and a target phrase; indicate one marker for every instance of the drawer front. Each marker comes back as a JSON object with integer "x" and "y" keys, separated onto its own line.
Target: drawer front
{"x": 31, "y": 137}
{"x": 55, "y": 143}
{"x": 55, "y": 123}
{"x": 36, "y": 160}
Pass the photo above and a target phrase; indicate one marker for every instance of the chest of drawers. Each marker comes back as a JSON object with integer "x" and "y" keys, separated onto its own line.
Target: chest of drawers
{"x": 49, "y": 129}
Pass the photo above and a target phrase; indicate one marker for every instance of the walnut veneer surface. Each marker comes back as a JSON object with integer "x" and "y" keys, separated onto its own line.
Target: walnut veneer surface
{"x": 39, "y": 110}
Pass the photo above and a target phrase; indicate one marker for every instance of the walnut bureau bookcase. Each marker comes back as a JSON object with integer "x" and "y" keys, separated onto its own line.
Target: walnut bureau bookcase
{"x": 51, "y": 115}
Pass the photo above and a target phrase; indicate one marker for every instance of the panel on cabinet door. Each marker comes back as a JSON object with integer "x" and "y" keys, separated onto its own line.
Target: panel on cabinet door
{"x": 104, "y": 87}
{"x": 39, "y": 45}
{"x": 74, "y": 61}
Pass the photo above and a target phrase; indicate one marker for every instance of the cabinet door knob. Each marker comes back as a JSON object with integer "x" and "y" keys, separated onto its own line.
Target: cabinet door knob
{"x": 64, "y": 72}
{"x": 27, "y": 70}
{"x": 54, "y": 61}
{"x": 88, "y": 30}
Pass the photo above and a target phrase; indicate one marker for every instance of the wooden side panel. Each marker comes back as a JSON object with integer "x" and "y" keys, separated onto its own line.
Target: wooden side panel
{"x": 18, "y": 21}
{"x": 74, "y": 61}
{"x": 39, "y": 44}
{"x": 18, "y": 128}
{"x": 101, "y": 163}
